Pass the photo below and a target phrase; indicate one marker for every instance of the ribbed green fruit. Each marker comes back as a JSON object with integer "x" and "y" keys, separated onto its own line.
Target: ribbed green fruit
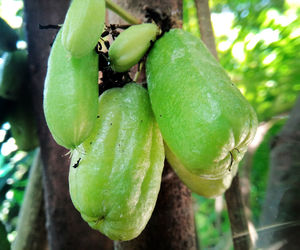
{"x": 131, "y": 45}
{"x": 83, "y": 26}
{"x": 13, "y": 74}
{"x": 8, "y": 38}
{"x": 70, "y": 95}
{"x": 206, "y": 187}
{"x": 205, "y": 121}
{"x": 115, "y": 174}
{"x": 23, "y": 125}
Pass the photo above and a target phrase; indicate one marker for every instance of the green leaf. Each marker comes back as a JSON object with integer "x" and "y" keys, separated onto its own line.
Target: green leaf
{"x": 4, "y": 243}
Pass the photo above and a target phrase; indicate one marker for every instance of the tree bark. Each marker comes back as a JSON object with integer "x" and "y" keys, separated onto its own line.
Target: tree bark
{"x": 206, "y": 30}
{"x": 66, "y": 229}
{"x": 172, "y": 223}
{"x": 280, "y": 227}
{"x": 238, "y": 221}
{"x": 31, "y": 230}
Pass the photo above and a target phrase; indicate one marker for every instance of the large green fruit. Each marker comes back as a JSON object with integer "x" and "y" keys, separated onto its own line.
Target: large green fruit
{"x": 83, "y": 26}
{"x": 131, "y": 45}
{"x": 8, "y": 38}
{"x": 13, "y": 74}
{"x": 205, "y": 121}
{"x": 206, "y": 187}
{"x": 115, "y": 174}
{"x": 23, "y": 125}
{"x": 70, "y": 95}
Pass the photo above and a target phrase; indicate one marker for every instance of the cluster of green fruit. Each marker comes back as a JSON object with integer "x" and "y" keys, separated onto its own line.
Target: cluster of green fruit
{"x": 14, "y": 101}
{"x": 117, "y": 139}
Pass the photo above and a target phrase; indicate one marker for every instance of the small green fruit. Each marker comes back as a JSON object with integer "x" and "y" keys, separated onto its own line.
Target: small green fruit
{"x": 23, "y": 125}
{"x": 70, "y": 95}
{"x": 13, "y": 74}
{"x": 131, "y": 45}
{"x": 83, "y": 26}
{"x": 115, "y": 174}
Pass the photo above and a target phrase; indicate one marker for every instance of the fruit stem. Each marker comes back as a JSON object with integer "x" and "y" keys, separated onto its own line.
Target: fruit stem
{"x": 137, "y": 74}
{"x": 122, "y": 12}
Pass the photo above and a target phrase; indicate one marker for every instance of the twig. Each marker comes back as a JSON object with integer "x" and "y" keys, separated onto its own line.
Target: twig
{"x": 206, "y": 30}
{"x": 121, "y": 12}
{"x": 237, "y": 216}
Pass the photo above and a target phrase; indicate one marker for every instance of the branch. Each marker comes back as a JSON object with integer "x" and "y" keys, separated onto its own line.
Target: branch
{"x": 280, "y": 219}
{"x": 31, "y": 231}
{"x": 238, "y": 221}
{"x": 206, "y": 30}
{"x": 122, "y": 12}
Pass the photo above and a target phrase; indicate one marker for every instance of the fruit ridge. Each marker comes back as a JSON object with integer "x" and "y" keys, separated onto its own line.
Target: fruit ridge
{"x": 116, "y": 182}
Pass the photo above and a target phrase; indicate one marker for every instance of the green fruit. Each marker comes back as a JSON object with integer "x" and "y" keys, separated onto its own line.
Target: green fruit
{"x": 115, "y": 174}
{"x": 23, "y": 125}
{"x": 13, "y": 74}
{"x": 205, "y": 121}
{"x": 83, "y": 26}
{"x": 8, "y": 38}
{"x": 70, "y": 95}
{"x": 206, "y": 187}
{"x": 131, "y": 45}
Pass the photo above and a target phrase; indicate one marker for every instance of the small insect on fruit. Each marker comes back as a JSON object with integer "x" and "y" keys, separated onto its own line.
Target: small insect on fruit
{"x": 131, "y": 45}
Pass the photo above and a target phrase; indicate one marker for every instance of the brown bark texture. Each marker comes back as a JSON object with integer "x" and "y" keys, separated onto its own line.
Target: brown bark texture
{"x": 280, "y": 219}
{"x": 172, "y": 223}
{"x": 206, "y": 30}
{"x": 66, "y": 229}
{"x": 237, "y": 216}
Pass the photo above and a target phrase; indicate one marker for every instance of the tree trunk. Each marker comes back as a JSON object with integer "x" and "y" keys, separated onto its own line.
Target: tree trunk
{"x": 280, "y": 217}
{"x": 66, "y": 229}
{"x": 172, "y": 223}
{"x": 31, "y": 231}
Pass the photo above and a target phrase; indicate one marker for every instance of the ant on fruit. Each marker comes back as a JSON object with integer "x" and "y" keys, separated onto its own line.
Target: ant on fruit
{"x": 77, "y": 163}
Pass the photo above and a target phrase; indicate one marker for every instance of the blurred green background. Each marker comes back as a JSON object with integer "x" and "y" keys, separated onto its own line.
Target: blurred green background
{"x": 258, "y": 44}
